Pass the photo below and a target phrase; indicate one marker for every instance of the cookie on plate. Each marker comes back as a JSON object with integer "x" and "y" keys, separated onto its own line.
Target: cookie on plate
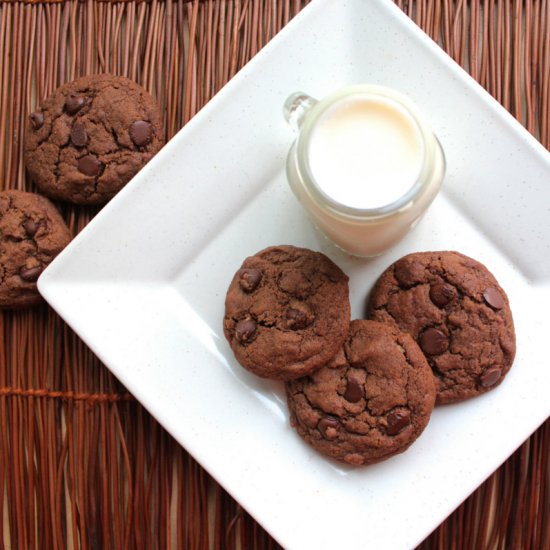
{"x": 370, "y": 402}
{"x": 457, "y": 312}
{"x": 90, "y": 137}
{"x": 32, "y": 233}
{"x": 287, "y": 312}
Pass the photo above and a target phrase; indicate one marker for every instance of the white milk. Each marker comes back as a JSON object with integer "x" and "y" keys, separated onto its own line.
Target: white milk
{"x": 365, "y": 152}
{"x": 365, "y": 165}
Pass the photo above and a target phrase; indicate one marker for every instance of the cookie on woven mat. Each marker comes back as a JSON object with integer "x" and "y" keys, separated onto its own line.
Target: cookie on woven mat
{"x": 90, "y": 137}
{"x": 457, "y": 312}
{"x": 370, "y": 402}
{"x": 287, "y": 312}
{"x": 32, "y": 233}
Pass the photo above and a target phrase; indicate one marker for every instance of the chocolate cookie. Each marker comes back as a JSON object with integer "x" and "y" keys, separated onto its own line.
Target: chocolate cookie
{"x": 32, "y": 233}
{"x": 287, "y": 312}
{"x": 90, "y": 137}
{"x": 370, "y": 402}
{"x": 456, "y": 311}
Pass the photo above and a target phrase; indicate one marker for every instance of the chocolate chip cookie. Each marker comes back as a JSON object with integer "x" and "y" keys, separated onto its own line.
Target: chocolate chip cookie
{"x": 287, "y": 312}
{"x": 32, "y": 233}
{"x": 457, "y": 312}
{"x": 90, "y": 137}
{"x": 370, "y": 402}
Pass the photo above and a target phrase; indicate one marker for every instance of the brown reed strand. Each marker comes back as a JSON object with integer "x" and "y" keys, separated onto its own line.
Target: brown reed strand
{"x": 66, "y": 396}
{"x": 82, "y": 465}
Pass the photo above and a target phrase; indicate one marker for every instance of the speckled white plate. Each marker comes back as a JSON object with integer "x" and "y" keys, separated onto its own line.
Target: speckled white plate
{"x": 144, "y": 283}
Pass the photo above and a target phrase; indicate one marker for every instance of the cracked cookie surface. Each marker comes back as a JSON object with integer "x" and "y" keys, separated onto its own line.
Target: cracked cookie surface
{"x": 90, "y": 137}
{"x": 32, "y": 233}
{"x": 287, "y": 312}
{"x": 457, "y": 312}
{"x": 370, "y": 402}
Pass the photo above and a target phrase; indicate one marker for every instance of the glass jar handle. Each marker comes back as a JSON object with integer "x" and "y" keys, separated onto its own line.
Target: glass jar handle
{"x": 295, "y": 108}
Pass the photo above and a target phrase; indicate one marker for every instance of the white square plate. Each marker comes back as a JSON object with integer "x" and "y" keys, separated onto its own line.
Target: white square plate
{"x": 144, "y": 283}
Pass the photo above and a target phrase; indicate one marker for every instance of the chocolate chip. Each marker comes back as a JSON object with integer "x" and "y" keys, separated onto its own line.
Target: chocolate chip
{"x": 433, "y": 341}
{"x": 249, "y": 279}
{"x": 354, "y": 390}
{"x": 79, "y": 136}
{"x": 329, "y": 427}
{"x": 30, "y": 274}
{"x": 297, "y": 319}
{"x": 245, "y": 330}
{"x": 493, "y": 298}
{"x": 490, "y": 377}
{"x": 140, "y": 132}
{"x": 90, "y": 165}
{"x": 397, "y": 421}
{"x": 37, "y": 120}
{"x": 30, "y": 227}
{"x": 442, "y": 293}
{"x": 74, "y": 103}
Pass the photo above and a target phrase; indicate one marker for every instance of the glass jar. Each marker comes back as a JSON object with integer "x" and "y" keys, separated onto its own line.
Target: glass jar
{"x": 365, "y": 165}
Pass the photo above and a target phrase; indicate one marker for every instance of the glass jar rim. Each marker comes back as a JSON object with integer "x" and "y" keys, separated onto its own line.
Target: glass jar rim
{"x": 377, "y": 92}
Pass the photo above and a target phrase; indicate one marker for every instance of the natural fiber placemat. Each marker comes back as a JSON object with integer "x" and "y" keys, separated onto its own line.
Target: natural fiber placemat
{"x": 82, "y": 464}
